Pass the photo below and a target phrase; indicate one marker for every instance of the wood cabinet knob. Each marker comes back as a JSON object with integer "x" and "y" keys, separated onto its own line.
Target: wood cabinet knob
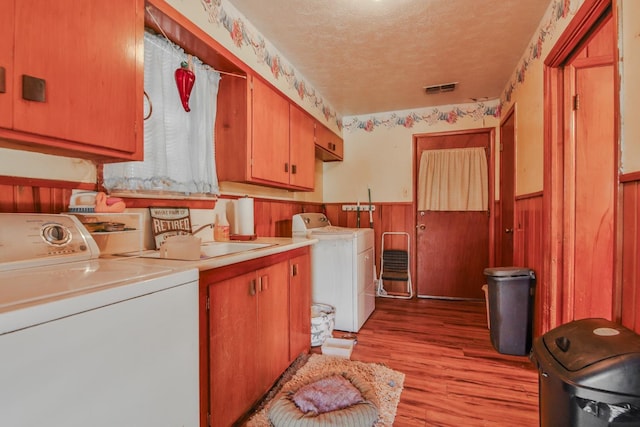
{"x": 33, "y": 88}
{"x": 3, "y": 80}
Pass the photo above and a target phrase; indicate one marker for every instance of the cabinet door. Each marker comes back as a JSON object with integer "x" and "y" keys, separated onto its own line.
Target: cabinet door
{"x": 273, "y": 322}
{"x": 270, "y": 135}
{"x": 6, "y": 62}
{"x": 299, "y": 306}
{"x": 329, "y": 146}
{"x": 89, "y": 55}
{"x": 301, "y": 149}
{"x": 232, "y": 348}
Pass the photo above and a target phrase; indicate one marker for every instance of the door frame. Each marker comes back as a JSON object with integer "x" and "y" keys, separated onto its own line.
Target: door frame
{"x": 557, "y": 269}
{"x": 491, "y": 202}
{"x": 512, "y": 112}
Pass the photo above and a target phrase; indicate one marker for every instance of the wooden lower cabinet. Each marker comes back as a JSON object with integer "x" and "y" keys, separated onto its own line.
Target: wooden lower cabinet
{"x": 248, "y": 322}
{"x": 299, "y": 306}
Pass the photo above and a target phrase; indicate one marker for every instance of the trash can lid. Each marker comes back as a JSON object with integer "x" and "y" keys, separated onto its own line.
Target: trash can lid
{"x": 597, "y": 353}
{"x": 507, "y": 271}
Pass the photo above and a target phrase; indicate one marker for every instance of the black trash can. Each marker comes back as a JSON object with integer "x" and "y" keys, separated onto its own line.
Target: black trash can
{"x": 511, "y": 296}
{"x": 589, "y": 375}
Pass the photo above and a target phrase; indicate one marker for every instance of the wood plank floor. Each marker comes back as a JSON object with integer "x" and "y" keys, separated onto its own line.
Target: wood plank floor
{"x": 454, "y": 377}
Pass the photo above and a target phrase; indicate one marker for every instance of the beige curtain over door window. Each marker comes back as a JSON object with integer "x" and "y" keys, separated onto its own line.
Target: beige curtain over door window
{"x": 453, "y": 180}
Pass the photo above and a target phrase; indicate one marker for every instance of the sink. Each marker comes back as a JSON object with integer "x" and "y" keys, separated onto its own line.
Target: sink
{"x": 211, "y": 249}
{"x": 214, "y": 249}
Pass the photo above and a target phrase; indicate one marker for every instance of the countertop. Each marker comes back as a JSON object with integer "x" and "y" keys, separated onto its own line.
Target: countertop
{"x": 276, "y": 245}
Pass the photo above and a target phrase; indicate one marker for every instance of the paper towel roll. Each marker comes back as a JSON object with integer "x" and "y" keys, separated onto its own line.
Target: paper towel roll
{"x": 244, "y": 216}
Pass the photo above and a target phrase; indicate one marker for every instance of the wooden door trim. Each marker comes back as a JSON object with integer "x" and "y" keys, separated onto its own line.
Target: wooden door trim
{"x": 554, "y": 295}
{"x": 578, "y": 32}
{"x": 497, "y": 246}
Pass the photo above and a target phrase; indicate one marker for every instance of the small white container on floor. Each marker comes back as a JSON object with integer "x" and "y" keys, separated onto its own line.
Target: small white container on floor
{"x": 338, "y": 347}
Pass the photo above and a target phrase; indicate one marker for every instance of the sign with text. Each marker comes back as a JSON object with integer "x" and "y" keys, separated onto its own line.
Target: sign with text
{"x": 167, "y": 222}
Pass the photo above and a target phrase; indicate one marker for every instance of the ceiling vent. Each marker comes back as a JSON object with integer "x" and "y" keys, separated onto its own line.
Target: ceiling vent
{"x": 445, "y": 87}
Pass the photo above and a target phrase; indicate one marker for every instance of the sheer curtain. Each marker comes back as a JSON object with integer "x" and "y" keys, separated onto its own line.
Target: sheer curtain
{"x": 179, "y": 146}
{"x": 453, "y": 180}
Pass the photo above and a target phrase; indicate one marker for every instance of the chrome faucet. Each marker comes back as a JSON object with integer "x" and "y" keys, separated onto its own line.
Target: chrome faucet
{"x": 199, "y": 229}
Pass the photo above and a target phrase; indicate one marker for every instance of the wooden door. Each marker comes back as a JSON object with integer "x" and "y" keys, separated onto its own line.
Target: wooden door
{"x": 6, "y": 62}
{"x": 272, "y": 352}
{"x": 594, "y": 163}
{"x": 452, "y": 247}
{"x": 301, "y": 149}
{"x": 299, "y": 306}
{"x": 505, "y": 234}
{"x": 270, "y": 135}
{"x": 233, "y": 334}
{"x": 90, "y": 56}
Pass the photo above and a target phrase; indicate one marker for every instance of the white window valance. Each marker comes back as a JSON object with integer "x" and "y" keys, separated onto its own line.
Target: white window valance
{"x": 453, "y": 180}
{"x": 179, "y": 146}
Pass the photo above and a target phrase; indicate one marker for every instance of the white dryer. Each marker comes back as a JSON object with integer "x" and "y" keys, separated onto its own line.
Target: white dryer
{"x": 342, "y": 265}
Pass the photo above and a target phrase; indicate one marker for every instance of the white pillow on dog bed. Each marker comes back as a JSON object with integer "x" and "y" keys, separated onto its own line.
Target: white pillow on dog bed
{"x": 334, "y": 400}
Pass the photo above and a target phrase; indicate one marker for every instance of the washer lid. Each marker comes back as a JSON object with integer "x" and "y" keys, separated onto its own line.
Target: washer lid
{"x": 26, "y": 286}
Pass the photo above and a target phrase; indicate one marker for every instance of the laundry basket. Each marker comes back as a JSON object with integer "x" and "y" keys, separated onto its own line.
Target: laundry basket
{"x": 322, "y": 323}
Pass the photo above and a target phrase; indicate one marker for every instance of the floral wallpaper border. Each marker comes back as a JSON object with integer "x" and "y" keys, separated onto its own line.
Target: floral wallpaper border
{"x": 560, "y": 9}
{"x": 243, "y": 34}
{"x": 429, "y": 116}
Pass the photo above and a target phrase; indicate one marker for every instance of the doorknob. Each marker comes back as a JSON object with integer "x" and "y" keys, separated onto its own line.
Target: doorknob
{"x": 421, "y": 226}
{"x": 508, "y": 230}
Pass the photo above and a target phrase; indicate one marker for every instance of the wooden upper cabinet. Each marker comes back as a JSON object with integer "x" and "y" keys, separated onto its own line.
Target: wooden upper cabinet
{"x": 6, "y": 62}
{"x": 74, "y": 84}
{"x": 301, "y": 148}
{"x": 329, "y": 146}
{"x": 270, "y": 135}
{"x": 261, "y": 138}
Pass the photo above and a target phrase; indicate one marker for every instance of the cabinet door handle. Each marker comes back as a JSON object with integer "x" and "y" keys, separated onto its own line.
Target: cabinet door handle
{"x": 33, "y": 88}
{"x": 252, "y": 287}
{"x": 293, "y": 169}
{"x": 294, "y": 270}
{"x": 3, "y": 80}
{"x": 264, "y": 283}
{"x": 286, "y": 167}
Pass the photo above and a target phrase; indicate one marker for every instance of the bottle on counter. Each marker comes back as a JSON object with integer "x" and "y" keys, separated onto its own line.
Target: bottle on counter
{"x": 221, "y": 228}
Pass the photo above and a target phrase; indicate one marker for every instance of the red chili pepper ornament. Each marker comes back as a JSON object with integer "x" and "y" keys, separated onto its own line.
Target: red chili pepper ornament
{"x": 185, "y": 79}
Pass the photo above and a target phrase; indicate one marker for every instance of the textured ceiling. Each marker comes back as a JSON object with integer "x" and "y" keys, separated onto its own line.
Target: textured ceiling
{"x": 370, "y": 56}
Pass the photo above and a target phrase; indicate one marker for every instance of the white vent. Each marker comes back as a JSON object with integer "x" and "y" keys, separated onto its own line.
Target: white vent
{"x": 445, "y": 87}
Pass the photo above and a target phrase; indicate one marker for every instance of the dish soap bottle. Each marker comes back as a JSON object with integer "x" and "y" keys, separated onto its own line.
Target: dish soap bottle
{"x": 221, "y": 228}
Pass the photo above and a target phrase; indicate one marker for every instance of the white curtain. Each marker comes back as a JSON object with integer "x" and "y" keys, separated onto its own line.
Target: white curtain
{"x": 453, "y": 180}
{"x": 179, "y": 146}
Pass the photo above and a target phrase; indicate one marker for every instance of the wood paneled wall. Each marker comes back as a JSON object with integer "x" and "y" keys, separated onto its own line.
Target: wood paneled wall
{"x": 273, "y": 217}
{"x": 528, "y": 249}
{"x": 630, "y": 290}
{"x": 397, "y": 217}
{"x": 36, "y": 195}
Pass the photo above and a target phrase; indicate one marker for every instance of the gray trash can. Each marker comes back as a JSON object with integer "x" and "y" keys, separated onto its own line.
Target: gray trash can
{"x": 511, "y": 298}
{"x": 589, "y": 375}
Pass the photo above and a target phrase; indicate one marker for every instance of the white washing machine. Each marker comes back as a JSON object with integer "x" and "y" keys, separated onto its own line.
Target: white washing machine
{"x": 342, "y": 265}
{"x": 88, "y": 341}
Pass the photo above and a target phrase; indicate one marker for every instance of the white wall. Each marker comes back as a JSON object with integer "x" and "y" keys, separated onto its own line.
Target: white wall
{"x": 35, "y": 165}
{"x": 378, "y": 150}
{"x": 629, "y": 46}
